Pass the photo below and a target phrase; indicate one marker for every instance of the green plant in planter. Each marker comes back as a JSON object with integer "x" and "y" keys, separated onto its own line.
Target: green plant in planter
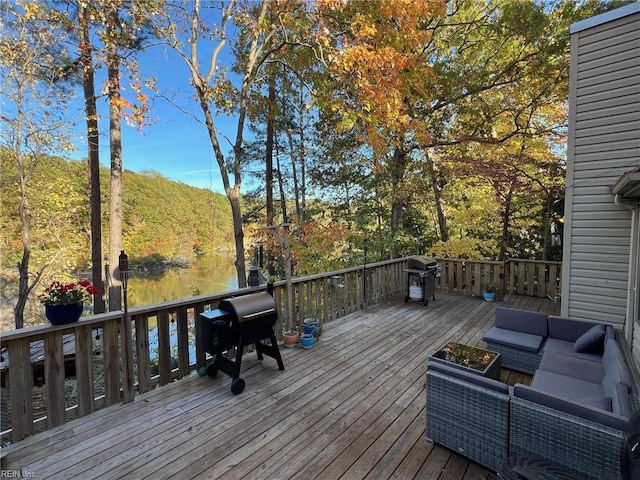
{"x": 490, "y": 288}
{"x": 489, "y": 292}
{"x": 312, "y": 326}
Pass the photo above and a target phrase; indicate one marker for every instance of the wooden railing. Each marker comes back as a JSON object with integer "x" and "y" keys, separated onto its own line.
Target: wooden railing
{"x": 534, "y": 278}
{"x": 86, "y": 357}
{"x": 164, "y": 342}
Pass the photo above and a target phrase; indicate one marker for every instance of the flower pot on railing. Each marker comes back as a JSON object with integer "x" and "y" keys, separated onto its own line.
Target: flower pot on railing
{"x": 63, "y": 302}
{"x": 63, "y": 314}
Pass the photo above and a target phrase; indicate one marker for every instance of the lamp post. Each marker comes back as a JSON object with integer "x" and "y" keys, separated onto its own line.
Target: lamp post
{"x": 254, "y": 275}
{"x": 125, "y": 333}
{"x": 123, "y": 266}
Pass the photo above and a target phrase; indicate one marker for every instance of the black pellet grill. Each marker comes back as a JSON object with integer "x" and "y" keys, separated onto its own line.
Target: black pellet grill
{"x": 421, "y": 273}
{"x": 239, "y": 322}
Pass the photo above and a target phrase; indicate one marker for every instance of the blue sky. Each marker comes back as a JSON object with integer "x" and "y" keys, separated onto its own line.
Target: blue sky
{"x": 175, "y": 144}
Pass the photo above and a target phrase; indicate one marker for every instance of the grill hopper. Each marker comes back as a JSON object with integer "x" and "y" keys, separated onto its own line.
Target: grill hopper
{"x": 238, "y": 322}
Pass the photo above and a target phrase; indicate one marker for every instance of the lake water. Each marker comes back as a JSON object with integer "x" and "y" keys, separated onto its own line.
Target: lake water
{"x": 206, "y": 275}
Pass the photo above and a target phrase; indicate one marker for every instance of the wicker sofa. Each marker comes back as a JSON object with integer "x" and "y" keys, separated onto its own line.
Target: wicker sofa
{"x": 574, "y": 413}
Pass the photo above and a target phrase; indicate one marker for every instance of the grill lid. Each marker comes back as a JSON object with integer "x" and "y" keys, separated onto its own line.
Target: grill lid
{"x": 421, "y": 262}
{"x": 250, "y": 307}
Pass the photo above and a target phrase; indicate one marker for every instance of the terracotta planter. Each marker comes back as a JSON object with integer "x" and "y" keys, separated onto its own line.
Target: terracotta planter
{"x": 291, "y": 339}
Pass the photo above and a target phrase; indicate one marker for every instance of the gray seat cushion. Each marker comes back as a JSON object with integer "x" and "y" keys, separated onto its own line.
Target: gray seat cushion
{"x": 578, "y": 408}
{"x": 572, "y": 367}
{"x": 554, "y": 345}
{"x": 510, "y": 338}
{"x": 566, "y": 387}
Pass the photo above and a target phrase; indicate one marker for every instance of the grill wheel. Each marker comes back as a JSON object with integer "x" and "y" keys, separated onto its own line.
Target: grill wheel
{"x": 237, "y": 386}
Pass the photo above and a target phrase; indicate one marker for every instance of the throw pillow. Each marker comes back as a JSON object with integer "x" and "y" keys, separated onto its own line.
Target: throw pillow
{"x": 591, "y": 341}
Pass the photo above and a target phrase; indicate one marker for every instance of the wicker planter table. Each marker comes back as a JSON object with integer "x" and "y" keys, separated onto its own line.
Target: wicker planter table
{"x": 473, "y": 359}
{"x": 467, "y": 406}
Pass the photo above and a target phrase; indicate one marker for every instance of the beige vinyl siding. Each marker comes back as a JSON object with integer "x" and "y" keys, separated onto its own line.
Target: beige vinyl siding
{"x": 604, "y": 143}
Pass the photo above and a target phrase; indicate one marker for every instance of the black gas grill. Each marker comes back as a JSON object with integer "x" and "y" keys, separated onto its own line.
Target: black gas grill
{"x": 238, "y": 322}
{"x": 421, "y": 272}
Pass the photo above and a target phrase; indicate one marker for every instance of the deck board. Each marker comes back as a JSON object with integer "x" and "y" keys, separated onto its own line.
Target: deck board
{"x": 351, "y": 407}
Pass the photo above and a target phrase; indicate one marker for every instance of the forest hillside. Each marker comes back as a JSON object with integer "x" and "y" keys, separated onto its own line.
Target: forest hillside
{"x": 163, "y": 220}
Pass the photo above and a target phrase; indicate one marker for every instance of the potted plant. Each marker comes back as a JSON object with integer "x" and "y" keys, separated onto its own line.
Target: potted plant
{"x": 63, "y": 302}
{"x": 313, "y": 327}
{"x": 306, "y": 340}
{"x": 489, "y": 292}
{"x": 290, "y": 337}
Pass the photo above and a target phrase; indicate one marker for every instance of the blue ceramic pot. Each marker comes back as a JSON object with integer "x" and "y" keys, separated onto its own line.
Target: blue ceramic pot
{"x": 306, "y": 340}
{"x": 489, "y": 296}
{"x": 63, "y": 314}
{"x": 312, "y": 327}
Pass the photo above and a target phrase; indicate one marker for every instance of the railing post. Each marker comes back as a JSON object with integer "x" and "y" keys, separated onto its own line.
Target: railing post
{"x": 21, "y": 385}
{"x": 182, "y": 328}
{"x": 84, "y": 370}
{"x": 54, "y": 378}
{"x": 501, "y": 281}
{"x": 164, "y": 347}
{"x": 111, "y": 362}
{"x": 127, "y": 358}
{"x": 142, "y": 352}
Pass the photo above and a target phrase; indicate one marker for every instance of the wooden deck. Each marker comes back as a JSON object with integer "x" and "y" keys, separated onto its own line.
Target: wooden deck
{"x": 351, "y": 407}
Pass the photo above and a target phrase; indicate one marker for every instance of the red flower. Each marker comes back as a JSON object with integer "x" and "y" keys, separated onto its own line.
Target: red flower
{"x": 69, "y": 293}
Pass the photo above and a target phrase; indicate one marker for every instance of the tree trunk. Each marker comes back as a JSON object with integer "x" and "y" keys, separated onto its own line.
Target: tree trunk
{"x": 115, "y": 143}
{"x": 506, "y": 219}
{"x": 269, "y": 150}
{"x": 294, "y": 173}
{"x": 437, "y": 184}
{"x": 269, "y": 166}
{"x": 24, "y": 287}
{"x": 23, "y": 265}
{"x": 546, "y": 247}
{"x": 233, "y": 195}
{"x": 94, "y": 160}
{"x": 397, "y": 207}
{"x": 283, "y": 199}
{"x": 303, "y": 165}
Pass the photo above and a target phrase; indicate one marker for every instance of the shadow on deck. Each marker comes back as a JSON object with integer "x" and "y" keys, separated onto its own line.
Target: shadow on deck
{"x": 351, "y": 407}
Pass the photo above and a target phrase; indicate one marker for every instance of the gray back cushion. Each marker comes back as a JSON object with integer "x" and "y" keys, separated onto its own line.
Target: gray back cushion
{"x": 621, "y": 401}
{"x": 521, "y": 321}
{"x": 568, "y": 329}
{"x": 615, "y": 370}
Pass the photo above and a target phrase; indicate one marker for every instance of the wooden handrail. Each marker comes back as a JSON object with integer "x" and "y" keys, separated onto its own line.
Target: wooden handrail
{"x": 97, "y": 355}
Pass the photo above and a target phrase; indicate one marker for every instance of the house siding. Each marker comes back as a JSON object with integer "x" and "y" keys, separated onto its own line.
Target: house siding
{"x": 603, "y": 144}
